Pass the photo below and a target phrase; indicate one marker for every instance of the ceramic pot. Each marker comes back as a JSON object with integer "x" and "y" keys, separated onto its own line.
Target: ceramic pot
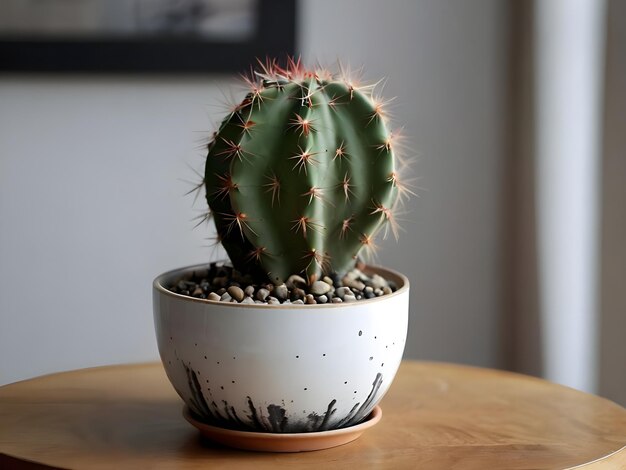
{"x": 280, "y": 368}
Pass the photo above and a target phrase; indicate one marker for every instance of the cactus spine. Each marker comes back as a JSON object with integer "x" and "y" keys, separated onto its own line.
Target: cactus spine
{"x": 301, "y": 175}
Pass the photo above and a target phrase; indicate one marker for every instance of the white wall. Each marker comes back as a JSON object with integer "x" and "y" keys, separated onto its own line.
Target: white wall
{"x": 445, "y": 62}
{"x": 91, "y": 208}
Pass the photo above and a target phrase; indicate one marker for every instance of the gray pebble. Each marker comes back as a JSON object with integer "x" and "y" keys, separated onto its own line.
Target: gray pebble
{"x": 309, "y": 299}
{"x": 281, "y": 292}
{"x": 337, "y": 300}
{"x": 320, "y": 288}
{"x": 236, "y": 293}
{"x": 220, "y": 281}
{"x": 342, "y": 291}
{"x": 327, "y": 280}
{"x": 349, "y": 298}
{"x": 273, "y": 301}
{"x": 358, "y": 273}
{"x": 298, "y": 293}
{"x": 287, "y": 301}
{"x": 213, "y": 296}
{"x": 378, "y": 282}
{"x": 249, "y": 291}
{"x": 220, "y": 291}
{"x": 295, "y": 281}
{"x": 247, "y": 300}
{"x": 262, "y": 294}
{"x": 259, "y": 302}
{"x": 387, "y": 290}
{"x": 197, "y": 291}
{"x": 378, "y": 292}
{"x": 350, "y": 275}
{"x": 226, "y": 297}
{"x": 354, "y": 283}
{"x": 297, "y": 302}
{"x": 322, "y": 299}
{"x": 369, "y": 289}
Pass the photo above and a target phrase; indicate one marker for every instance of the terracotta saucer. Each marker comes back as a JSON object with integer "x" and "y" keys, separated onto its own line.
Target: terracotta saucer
{"x": 287, "y": 442}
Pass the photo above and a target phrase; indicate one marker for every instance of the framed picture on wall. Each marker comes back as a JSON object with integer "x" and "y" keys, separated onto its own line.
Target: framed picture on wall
{"x": 174, "y": 36}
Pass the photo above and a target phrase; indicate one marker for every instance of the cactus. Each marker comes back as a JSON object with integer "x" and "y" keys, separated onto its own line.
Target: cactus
{"x": 301, "y": 175}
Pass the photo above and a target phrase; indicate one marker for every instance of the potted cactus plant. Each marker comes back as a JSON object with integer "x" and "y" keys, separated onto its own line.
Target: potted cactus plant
{"x": 297, "y": 335}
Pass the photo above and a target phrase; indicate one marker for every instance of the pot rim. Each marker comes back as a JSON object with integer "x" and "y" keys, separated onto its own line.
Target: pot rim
{"x": 400, "y": 279}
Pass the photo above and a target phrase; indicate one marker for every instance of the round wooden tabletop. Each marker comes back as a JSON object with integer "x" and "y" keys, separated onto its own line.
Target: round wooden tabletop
{"x": 435, "y": 416}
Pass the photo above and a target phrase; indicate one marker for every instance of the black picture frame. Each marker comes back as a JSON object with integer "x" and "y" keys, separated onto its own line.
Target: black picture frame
{"x": 274, "y": 37}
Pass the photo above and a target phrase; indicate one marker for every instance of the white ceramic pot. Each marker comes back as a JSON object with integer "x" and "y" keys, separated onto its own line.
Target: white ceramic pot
{"x": 280, "y": 368}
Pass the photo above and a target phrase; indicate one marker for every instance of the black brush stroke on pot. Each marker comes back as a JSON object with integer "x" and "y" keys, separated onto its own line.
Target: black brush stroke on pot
{"x": 276, "y": 420}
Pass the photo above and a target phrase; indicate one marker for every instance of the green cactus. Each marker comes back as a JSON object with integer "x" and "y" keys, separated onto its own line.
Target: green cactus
{"x": 301, "y": 175}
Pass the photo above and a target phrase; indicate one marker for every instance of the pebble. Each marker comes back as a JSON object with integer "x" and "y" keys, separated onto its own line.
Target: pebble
{"x": 281, "y": 292}
{"x": 262, "y": 294}
{"x": 354, "y": 283}
{"x": 295, "y": 281}
{"x": 236, "y": 293}
{"x": 378, "y": 282}
{"x": 343, "y": 291}
{"x": 320, "y": 288}
{"x": 350, "y": 275}
{"x": 223, "y": 283}
{"x": 220, "y": 281}
{"x": 297, "y": 293}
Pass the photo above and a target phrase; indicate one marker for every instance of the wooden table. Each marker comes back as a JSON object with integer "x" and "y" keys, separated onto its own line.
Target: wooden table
{"x": 435, "y": 416}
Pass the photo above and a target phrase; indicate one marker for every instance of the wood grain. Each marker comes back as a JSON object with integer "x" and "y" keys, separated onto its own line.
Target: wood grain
{"x": 435, "y": 416}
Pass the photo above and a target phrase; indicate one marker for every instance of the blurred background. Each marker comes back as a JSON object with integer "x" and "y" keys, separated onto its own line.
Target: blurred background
{"x": 516, "y": 110}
